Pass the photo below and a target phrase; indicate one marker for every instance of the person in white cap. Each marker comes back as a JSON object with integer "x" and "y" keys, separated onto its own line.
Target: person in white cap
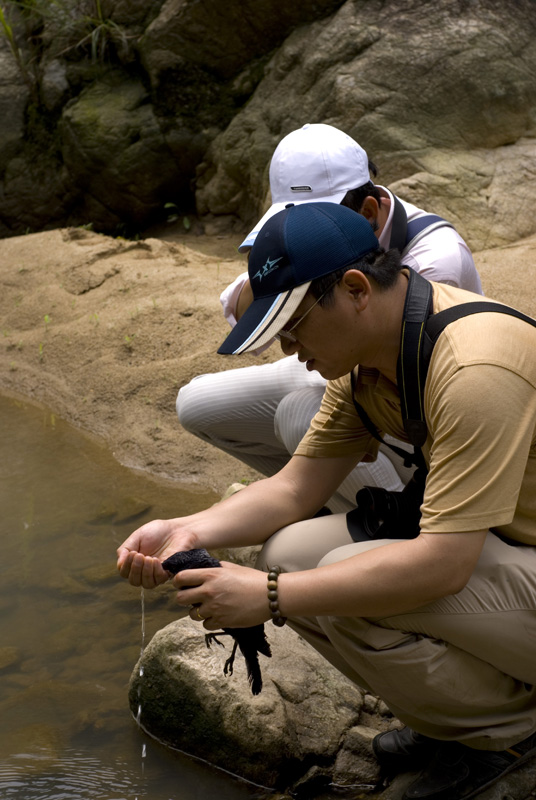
{"x": 440, "y": 621}
{"x": 260, "y": 413}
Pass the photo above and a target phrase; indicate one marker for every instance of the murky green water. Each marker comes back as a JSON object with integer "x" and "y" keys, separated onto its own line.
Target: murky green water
{"x": 70, "y": 628}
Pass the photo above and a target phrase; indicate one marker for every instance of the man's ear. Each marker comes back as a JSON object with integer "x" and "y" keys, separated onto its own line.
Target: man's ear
{"x": 370, "y": 209}
{"x": 358, "y": 287}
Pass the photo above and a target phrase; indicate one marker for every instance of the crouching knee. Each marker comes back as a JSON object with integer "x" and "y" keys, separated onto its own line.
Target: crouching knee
{"x": 189, "y": 405}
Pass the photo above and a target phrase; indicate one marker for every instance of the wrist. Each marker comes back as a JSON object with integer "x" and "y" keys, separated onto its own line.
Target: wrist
{"x": 273, "y": 597}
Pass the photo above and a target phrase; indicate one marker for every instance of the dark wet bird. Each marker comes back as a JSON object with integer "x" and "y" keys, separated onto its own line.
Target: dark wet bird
{"x": 251, "y": 641}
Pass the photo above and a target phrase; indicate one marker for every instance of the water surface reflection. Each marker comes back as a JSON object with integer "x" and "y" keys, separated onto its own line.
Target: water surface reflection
{"x": 70, "y": 628}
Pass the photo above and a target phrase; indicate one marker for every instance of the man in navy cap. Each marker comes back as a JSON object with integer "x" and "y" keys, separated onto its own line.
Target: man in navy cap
{"x": 442, "y": 626}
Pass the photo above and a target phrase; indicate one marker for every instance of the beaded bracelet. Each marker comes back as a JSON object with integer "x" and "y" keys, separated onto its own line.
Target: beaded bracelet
{"x": 273, "y": 601}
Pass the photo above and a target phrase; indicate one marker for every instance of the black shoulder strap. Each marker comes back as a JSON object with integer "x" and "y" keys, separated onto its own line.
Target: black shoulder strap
{"x": 399, "y": 226}
{"x": 438, "y": 322}
{"x": 420, "y": 331}
{"x": 418, "y": 228}
{"x": 404, "y": 234}
{"x": 411, "y": 370}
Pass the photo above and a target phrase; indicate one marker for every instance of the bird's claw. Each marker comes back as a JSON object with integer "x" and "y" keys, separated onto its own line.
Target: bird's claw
{"x": 213, "y": 637}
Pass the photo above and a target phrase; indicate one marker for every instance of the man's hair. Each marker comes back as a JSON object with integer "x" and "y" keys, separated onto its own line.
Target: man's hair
{"x": 381, "y": 265}
{"x": 355, "y": 198}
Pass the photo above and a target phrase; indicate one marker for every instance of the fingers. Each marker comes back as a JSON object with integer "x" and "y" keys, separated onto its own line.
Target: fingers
{"x": 196, "y": 613}
{"x": 194, "y": 577}
{"x": 142, "y": 570}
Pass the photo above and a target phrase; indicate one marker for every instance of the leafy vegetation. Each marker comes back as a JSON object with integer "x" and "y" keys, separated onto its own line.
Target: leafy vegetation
{"x": 67, "y": 28}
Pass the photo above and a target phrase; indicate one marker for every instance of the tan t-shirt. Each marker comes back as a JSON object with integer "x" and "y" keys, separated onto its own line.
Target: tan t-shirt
{"x": 480, "y": 407}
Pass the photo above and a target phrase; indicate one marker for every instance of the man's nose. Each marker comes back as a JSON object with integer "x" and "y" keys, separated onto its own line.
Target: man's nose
{"x": 288, "y": 347}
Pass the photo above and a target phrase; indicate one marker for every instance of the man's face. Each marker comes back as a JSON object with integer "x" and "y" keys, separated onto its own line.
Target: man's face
{"x": 325, "y": 337}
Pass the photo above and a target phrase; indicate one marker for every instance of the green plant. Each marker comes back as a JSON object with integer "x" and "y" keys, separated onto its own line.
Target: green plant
{"x": 62, "y": 26}
{"x": 104, "y": 33}
{"x": 23, "y": 63}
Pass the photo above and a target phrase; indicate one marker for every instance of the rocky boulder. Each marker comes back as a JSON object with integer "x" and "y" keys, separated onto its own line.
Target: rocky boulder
{"x": 442, "y": 98}
{"x": 299, "y": 722}
{"x": 116, "y": 152}
{"x": 14, "y": 95}
{"x": 130, "y": 108}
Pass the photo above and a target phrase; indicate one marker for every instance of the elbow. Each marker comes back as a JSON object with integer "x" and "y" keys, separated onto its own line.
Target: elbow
{"x": 450, "y": 560}
{"x": 458, "y": 583}
{"x": 452, "y": 581}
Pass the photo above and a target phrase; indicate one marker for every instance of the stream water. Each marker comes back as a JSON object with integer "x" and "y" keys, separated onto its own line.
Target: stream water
{"x": 70, "y": 628}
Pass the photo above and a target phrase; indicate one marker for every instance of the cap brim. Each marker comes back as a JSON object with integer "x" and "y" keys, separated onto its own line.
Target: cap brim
{"x": 262, "y": 320}
{"x": 248, "y": 242}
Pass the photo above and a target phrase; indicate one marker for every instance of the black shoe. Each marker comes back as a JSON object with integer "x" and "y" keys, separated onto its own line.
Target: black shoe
{"x": 403, "y": 750}
{"x": 457, "y": 772}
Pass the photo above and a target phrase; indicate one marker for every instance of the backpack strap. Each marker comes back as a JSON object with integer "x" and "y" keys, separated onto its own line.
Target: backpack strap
{"x": 399, "y": 226}
{"x": 405, "y": 235}
{"x": 438, "y": 322}
{"x": 411, "y": 371}
{"x": 418, "y": 228}
{"x": 420, "y": 331}
{"x": 411, "y": 367}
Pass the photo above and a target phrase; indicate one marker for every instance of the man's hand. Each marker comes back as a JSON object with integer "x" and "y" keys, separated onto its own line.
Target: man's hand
{"x": 229, "y": 596}
{"x": 139, "y": 558}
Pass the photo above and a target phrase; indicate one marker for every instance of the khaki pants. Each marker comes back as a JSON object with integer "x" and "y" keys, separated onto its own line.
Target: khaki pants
{"x": 462, "y": 668}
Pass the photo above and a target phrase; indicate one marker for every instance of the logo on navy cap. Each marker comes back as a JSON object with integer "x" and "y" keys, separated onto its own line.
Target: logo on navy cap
{"x": 267, "y": 268}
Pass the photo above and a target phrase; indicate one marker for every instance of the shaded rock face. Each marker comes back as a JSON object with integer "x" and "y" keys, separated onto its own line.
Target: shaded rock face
{"x": 114, "y": 148}
{"x": 299, "y": 720}
{"x": 205, "y": 59}
{"x": 443, "y": 100}
{"x": 184, "y": 101}
{"x": 13, "y": 100}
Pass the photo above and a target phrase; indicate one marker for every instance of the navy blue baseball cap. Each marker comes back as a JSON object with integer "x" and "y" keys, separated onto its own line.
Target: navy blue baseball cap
{"x": 294, "y": 247}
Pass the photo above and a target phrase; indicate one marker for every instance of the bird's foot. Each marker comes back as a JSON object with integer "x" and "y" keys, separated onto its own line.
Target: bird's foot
{"x": 213, "y": 637}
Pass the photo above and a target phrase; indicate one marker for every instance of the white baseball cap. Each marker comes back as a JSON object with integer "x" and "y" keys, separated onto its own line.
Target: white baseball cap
{"x": 316, "y": 163}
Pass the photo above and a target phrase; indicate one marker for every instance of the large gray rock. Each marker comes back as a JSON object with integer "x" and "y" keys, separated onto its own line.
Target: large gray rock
{"x": 116, "y": 151}
{"x": 14, "y": 94}
{"x": 223, "y": 38}
{"x": 298, "y": 720}
{"x": 440, "y": 96}
{"x": 204, "y": 59}
{"x": 35, "y": 193}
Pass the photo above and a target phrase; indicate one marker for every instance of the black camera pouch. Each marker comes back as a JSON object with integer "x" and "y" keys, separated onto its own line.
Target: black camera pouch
{"x": 381, "y": 514}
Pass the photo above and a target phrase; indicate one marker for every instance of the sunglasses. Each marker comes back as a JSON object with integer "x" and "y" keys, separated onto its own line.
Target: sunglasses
{"x": 285, "y": 334}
